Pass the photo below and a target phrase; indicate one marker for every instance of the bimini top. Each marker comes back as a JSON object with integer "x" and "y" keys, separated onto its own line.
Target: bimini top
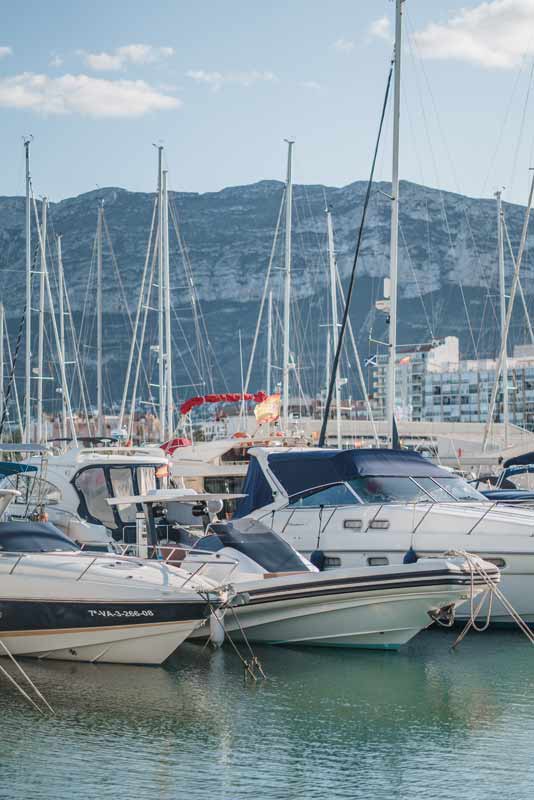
{"x": 300, "y": 470}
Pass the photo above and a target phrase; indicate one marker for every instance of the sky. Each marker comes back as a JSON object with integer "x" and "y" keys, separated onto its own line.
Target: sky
{"x": 222, "y": 84}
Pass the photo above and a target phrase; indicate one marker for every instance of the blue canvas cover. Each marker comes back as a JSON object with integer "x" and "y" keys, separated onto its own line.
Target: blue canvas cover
{"x": 257, "y": 490}
{"x": 525, "y": 458}
{"x": 15, "y": 468}
{"x": 299, "y": 471}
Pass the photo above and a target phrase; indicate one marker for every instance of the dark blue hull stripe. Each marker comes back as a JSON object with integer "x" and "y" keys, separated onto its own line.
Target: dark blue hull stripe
{"x": 33, "y": 615}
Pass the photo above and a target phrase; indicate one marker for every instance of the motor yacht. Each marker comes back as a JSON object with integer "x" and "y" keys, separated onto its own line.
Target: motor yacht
{"x": 71, "y": 487}
{"x": 57, "y": 602}
{"x": 368, "y": 508}
{"x": 289, "y": 601}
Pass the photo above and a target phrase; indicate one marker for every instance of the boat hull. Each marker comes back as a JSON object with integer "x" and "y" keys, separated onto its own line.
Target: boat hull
{"x": 119, "y": 633}
{"x": 344, "y": 611}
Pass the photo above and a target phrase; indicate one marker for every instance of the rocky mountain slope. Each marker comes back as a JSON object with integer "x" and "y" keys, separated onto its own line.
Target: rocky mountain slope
{"x": 448, "y": 274}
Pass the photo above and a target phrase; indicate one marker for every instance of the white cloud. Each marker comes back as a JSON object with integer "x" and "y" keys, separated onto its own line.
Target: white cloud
{"x": 343, "y": 45}
{"x": 493, "y": 34}
{"x": 55, "y": 61}
{"x": 216, "y": 80}
{"x": 82, "y": 94}
{"x": 311, "y": 85}
{"x": 128, "y": 54}
{"x": 5, "y": 51}
{"x": 381, "y": 29}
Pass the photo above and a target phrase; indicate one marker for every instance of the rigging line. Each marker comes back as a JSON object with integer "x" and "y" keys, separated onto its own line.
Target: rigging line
{"x": 11, "y": 378}
{"x": 121, "y": 284}
{"x": 84, "y": 390}
{"x": 354, "y": 265}
{"x": 133, "y": 401}
{"x": 520, "y": 288}
{"x": 522, "y": 124}
{"x": 199, "y": 325}
{"x": 10, "y": 360}
{"x": 417, "y": 58}
{"x": 137, "y": 317}
{"x": 361, "y": 376}
{"x": 407, "y": 250}
{"x": 202, "y": 336}
{"x": 188, "y": 349}
{"x": 493, "y": 158}
{"x": 509, "y": 310}
{"x": 265, "y": 291}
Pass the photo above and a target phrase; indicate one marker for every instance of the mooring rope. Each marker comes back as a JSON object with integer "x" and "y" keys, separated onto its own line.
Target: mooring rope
{"x": 476, "y": 567}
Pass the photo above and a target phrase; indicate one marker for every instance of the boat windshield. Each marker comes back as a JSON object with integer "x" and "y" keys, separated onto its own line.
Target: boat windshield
{"x": 259, "y": 543}
{"x": 377, "y": 489}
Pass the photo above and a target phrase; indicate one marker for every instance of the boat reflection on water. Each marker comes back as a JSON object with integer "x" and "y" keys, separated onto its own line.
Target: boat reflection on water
{"x": 322, "y": 717}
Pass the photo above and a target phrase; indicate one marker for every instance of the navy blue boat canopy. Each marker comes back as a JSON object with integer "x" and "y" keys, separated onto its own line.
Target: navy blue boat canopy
{"x": 256, "y": 489}
{"x": 33, "y": 537}
{"x": 301, "y": 470}
{"x": 525, "y": 458}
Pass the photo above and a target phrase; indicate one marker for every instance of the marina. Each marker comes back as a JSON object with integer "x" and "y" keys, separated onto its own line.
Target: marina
{"x": 267, "y": 452}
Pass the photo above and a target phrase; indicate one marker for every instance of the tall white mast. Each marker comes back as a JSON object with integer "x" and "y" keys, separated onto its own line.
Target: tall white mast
{"x": 99, "y": 338}
{"x": 61, "y": 292}
{"x": 269, "y": 342}
{"x": 502, "y": 293}
{"x": 40, "y": 346}
{"x": 335, "y": 324}
{"x": 167, "y": 286}
{"x": 161, "y": 301}
{"x": 287, "y": 289}
{"x": 394, "y": 244}
{"x": 28, "y": 343}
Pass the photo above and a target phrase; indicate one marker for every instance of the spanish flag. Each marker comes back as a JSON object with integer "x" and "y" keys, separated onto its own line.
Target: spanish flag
{"x": 268, "y": 410}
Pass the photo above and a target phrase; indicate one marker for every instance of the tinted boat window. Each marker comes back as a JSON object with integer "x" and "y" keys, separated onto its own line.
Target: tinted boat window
{"x": 375, "y": 489}
{"x": 264, "y": 547}
{"x": 338, "y": 495}
{"x": 460, "y": 489}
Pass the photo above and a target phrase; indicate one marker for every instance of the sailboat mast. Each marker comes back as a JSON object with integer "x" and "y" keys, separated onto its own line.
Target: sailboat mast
{"x": 335, "y": 324}
{"x": 161, "y": 302}
{"x": 502, "y": 294}
{"x": 287, "y": 288}
{"x": 61, "y": 291}
{"x": 394, "y": 242}
{"x": 99, "y": 339}
{"x": 269, "y": 341}
{"x": 40, "y": 344}
{"x": 28, "y": 343}
{"x": 167, "y": 286}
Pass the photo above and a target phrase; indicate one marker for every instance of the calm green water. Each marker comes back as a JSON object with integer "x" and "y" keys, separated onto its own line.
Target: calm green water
{"x": 422, "y": 723}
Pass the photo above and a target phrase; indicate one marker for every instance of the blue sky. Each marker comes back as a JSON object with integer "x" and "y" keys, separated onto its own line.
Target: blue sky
{"x": 222, "y": 84}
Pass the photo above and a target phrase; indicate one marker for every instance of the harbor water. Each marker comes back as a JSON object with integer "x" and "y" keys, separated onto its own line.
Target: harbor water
{"x": 425, "y": 722}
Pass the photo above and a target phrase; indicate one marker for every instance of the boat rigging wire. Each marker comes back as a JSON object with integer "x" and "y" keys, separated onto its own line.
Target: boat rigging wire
{"x": 333, "y": 375}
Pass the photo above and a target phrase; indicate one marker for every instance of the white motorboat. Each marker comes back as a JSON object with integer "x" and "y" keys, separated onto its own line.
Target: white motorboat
{"x": 291, "y": 602}
{"x": 57, "y": 602}
{"x": 71, "y": 488}
{"x": 359, "y": 508}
